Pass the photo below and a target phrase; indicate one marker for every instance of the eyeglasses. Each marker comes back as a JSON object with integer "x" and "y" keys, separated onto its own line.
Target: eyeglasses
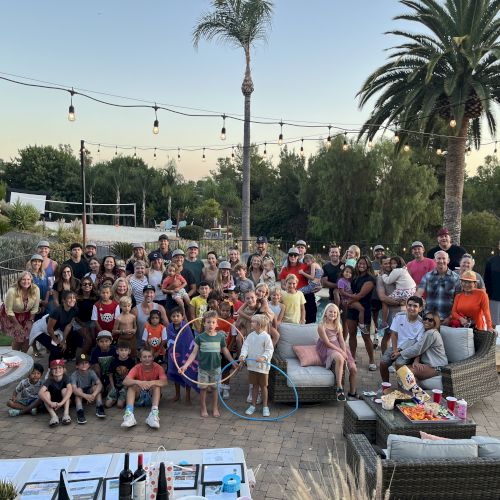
{"x": 86, "y": 284}
{"x": 428, "y": 319}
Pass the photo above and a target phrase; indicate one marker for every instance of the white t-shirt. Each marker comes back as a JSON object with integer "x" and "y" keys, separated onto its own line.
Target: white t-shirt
{"x": 406, "y": 330}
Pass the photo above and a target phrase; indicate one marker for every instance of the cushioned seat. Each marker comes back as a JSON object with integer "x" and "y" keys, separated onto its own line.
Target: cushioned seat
{"x": 308, "y": 376}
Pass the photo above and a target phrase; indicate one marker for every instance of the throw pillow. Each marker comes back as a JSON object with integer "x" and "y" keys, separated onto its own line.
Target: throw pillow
{"x": 307, "y": 354}
{"x": 431, "y": 437}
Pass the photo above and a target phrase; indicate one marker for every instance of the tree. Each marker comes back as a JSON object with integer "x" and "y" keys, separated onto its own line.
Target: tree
{"x": 449, "y": 72}
{"x": 481, "y": 228}
{"x": 482, "y": 191}
{"x": 241, "y": 23}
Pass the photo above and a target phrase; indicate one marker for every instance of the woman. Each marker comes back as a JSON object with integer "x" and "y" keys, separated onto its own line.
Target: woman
{"x": 428, "y": 352}
{"x": 121, "y": 288}
{"x": 108, "y": 270}
{"x": 95, "y": 268}
{"x": 138, "y": 254}
{"x": 467, "y": 264}
{"x": 256, "y": 269}
{"x": 362, "y": 287}
{"x": 18, "y": 311}
{"x": 210, "y": 271}
{"x": 49, "y": 265}
{"x": 233, "y": 257}
{"x": 138, "y": 280}
{"x": 155, "y": 277}
{"x": 35, "y": 267}
{"x": 85, "y": 300}
{"x": 65, "y": 282}
{"x": 471, "y": 306}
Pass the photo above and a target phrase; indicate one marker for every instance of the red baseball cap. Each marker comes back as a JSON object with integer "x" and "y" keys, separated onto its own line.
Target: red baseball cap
{"x": 56, "y": 362}
{"x": 443, "y": 232}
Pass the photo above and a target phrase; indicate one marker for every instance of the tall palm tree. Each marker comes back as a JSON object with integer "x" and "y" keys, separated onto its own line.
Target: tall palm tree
{"x": 450, "y": 71}
{"x": 241, "y": 23}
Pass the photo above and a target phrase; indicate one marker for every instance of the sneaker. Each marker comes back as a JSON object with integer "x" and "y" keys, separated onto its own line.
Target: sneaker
{"x": 266, "y": 412}
{"x": 225, "y": 394}
{"x": 128, "y": 419}
{"x": 375, "y": 341}
{"x": 250, "y": 410}
{"x": 392, "y": 369}
{"x": 14, "y": 413}
{"x": 340, "y": 394}
{"x": 153, "y": 419}
{"x": 80, "y": 417}
{"x": 372, "y": 367}
{"x": 99, "y": 411}
{"x": 34, "y": 411}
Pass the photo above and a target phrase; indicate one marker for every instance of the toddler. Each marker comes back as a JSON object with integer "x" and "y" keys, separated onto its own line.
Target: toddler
{"x": 232, "y": 294}
{"x": 118, "y": 370}
{"x": 155, "y": 336}
{"x": 174, "y": 284}
{"x": 351, "y": 256}
{"x": 24, "y": 399}
{"x": 262, "y": 293}
{"x": 245, "y": 313}
{"x": 268, "y": 275}
{"x": 259, "y": 347}
{"x": 86, "y": 387}
{"x": 346, "y": 294}
{"x": 126, "y": 325}
{"x": 294, "y": 301}
{"x": 314, "y": 274}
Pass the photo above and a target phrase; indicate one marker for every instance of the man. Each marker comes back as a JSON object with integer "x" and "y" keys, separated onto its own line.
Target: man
{"x": 301, "y": 246}
{"x": 440, "y": 286}
{"x": 261, "y": 250}
{"x": 420, "y": 265}
{"x": 376, "y": 304}
{"x": 90, "y": 250}
{"x": 178, "y": 257}
{"x": 406, "y": 329}
{"x": 492, "y": 282}
{"x": 144, "y": 382}
{"x": 163, "y": 249}
{"x": 444, "y": 243}
{"x": 79, "y": 265}
{"x": 378, "y": 255}
{"x": 331, "y": 271}
{"x": 193, "y": 262}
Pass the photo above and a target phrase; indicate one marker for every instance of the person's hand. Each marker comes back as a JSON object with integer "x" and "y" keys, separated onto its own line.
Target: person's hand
{"x": 395, "y": 354}
{"x": 182, "y": 369}
{"x": 62, "y": 345}
{"x": 54, "y": 405}
{"x": 418, "y": 367}
{"x": 91, "y": 398}
{"x": 463, "y": 321}
{"x": 301, "y": 271}
{"x": 260, "y": 359}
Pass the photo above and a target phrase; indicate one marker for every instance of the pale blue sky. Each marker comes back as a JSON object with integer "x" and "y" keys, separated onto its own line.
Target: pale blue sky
{"x": 318, "y": 54}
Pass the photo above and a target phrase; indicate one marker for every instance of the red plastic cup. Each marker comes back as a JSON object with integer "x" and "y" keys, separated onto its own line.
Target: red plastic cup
{"x": 452, "y": 402}
{"x": 437, "y": 395}
{"x": 386, "y": 386}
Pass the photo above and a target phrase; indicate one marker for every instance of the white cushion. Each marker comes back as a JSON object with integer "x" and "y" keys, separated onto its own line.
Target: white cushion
{"x": 308, "y": 376}
{"x": 292, "y": 334}
{"x": 409, "y": 447}
{"x": 458, "y": 343}
{"x": 362, "y": 410}
{"x": 489, "y": 447}
{"x": 432, "y": 383}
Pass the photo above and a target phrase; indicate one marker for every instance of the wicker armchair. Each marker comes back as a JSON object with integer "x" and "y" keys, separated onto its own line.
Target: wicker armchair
{"x": 424, "y": 479}
{"x": 476, "y": 377}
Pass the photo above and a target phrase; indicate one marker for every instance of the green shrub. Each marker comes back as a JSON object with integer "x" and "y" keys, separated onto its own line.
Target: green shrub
{"x": 4, "y": 224}
{"x": 191, "y": 232}
{"x": 69, "y": 233}
{"x": 122, "y": 250}
{"x": 23, "y": 216}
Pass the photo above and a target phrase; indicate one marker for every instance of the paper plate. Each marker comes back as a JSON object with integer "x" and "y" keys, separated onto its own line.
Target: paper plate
{"x": 378, "y": 401}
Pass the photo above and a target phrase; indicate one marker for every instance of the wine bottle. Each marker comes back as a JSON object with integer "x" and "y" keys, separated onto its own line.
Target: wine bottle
{"x": 162, "y": 493}
{"x": 125, "y": 481}
{"x": 139, "y": 486}
{"x": 62, "y": 491}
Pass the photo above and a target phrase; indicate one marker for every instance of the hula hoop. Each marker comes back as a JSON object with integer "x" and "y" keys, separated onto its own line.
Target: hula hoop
{"x": 260, "y": 419}
{"x": 177, "y": 365}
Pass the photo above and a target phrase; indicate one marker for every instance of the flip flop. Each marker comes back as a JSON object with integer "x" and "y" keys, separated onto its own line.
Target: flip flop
{"x": 66, "y": 420}
{"x": 54, "y": 421}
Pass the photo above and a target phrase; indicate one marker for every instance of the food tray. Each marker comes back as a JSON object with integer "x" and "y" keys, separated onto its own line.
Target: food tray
{"x": 448, "y": 418}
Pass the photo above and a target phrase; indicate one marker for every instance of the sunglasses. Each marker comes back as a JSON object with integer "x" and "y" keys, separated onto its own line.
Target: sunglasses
{"x": 428, "y": 319}
{"x": 86, "y": 284}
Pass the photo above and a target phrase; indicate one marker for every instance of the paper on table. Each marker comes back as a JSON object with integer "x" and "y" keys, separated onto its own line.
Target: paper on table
{"x": 10, "y": 468}
{"x": 218, "y": 456}
{"x": 97, "y": 465}
{"x": 48, "y": 469}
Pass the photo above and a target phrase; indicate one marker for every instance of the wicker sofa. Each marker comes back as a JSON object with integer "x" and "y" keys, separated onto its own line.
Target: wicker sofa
{"x": 424, "y": 479}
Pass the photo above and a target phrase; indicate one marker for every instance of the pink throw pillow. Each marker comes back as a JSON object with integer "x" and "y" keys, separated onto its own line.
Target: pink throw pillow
{"x": 431, "y": 437}
{"x": 307, "y": 354}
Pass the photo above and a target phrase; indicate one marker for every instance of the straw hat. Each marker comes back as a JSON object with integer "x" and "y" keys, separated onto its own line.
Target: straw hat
{"x": 468, "y": 276}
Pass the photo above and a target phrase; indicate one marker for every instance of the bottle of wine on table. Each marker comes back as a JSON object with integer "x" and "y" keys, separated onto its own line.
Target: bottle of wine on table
{"x": 139, "y": 486}
{"x": 125, "y": 481}
{"x": 162, "y": 493}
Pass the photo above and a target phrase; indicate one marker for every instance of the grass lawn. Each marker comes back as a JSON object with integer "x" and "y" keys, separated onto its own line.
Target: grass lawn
{"x": 4, "y": 340}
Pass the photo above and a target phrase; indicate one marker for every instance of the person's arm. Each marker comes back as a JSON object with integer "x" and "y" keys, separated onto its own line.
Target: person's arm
{"x": 279, "y": 319}
{"x": 244, "y": 350}
{"x": 243, "y": 314}
{"x": 117, "y": 327}
{"x": 365, "y": 290}
{"x": 224, "y": 350}
{"x": 302, "y": 314}
{"x": 163, "y": 316}
{"x": 68, "y": 394}
{"x": 394, "y": 343}
{"x": 391, "y": 278}
{"x": 191, "y": 358}
{"x": 419, "y": 347}
{"x": 111, "y": 381}
{"x": 422, "y": 286}
{"x": 383, "y": 297}
{"x": 43, "y": 394}
{"x": 162, "y": 381}
{"x": 484, "y": 306}
{"x": 36, "y": 305}
{"x": 94, "y": 318}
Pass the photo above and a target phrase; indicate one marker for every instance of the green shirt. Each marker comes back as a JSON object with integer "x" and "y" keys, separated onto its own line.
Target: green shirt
{"x": 195, "y": 267}
{"x": 209, "y": 356}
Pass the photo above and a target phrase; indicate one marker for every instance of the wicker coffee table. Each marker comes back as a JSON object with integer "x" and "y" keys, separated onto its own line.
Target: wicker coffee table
{"x": 394, "y": 422}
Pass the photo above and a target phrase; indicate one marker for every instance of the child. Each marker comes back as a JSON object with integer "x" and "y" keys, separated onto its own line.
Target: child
{"x": 174, "y": 284}
{"x": 242, "y": 282}
{"x": 313, "y": 275}
{"x": 405, "y": 286}
{"x": 345, "y": 293}
{"x": 56, "y": 393}
{"x": 226, "y": 314}
{"x": 351, "y": 256}
{"x": 24, "y": 399}
{"x": 331, "y": 348}
{"x": 262, "y": 293}
{"x": 224, "y": 278}
{"x": 232, "y": 294}
{"x": 183, "y": 349}
{"x": 199, "y": 304}
{"x": 245, "y": 314}
{"x": 102, "y": 355}
{"x": 276, "y": 306}
{"x": 155, "y": 336}
{"x": 118, "y": 370}
{"x": 86, "y": 386}
{"x": 209, "y": 346}
{"x": 294, "y": 301}
{"x": 213, "y": 301}
{"x": 105, "y": 310}
{"x": 126, "y": 325}
{"x": 259, "y": 347}
{"x": 268, "y": 276}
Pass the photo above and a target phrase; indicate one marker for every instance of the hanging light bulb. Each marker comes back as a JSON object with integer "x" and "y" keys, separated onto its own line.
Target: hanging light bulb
{"x": 232, "y": 152}
{"x": 135, "y": 152}
{"x": 154, "y": 155}
{"x": 439, "y": 151}
{"x": 280, "y": 138}
{"x": 369, "y": 145}
{"x": 406, "y": 148}
{"x": 156, "y": 123}
{"x": 395, "y": 139}
{"x": 116, "y": 150}
{"x": 71, "y": 110}
{"x": 98, "y": 149}
{"x": 302, "y": 148}
{"x": 265, "y": 150}
{"x": 203, "y": 158}
{"x": 453, "y": 122}
{"x": 223, "y": 129}
{"x": 328, "y": 142}
{"x": 345, "y": 146}
{"x": 495, "y": 151}
{"x": 469, "y": 151}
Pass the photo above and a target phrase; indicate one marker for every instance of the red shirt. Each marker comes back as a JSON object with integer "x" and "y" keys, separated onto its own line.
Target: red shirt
{"x": 106, "y": 315}
{"x": 138, "y": 373}
{"x": 418, "y": 269}
{"x": 294, "y": 270}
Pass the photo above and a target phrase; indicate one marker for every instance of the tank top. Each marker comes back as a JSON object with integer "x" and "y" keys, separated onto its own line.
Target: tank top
{"x": 154, "y": 338}
{"x": 275, "y": 309}
{"x": 106, "y": 315}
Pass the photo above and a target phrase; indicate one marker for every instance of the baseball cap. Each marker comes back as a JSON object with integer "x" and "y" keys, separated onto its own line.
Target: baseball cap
{"x": 75, "y": 245}
{"x": 91, "y": 244}
{"x": 293, "y": 250}
{"x": 417, "y": 244}
{"x": 56, "y": 362}
{"x": 178, "y": 252}
{"x": 378, "y": 247}
{"x": 81, "y": 358}
{"x": 162, "y": 237}
{"x": 302, "y": 243}
{"x": 261, "y": 239}
{"x": 148, "y": 287}
{"x": 193, "y": 244}
{"x": 36, "y": 256}
{"x": 43, "y": 243}
{"x": 155, "y": 255}
{"x": 224, "y": 265}
{"x": 137, "y": 245}
{"x": 468, "y": 276}
{"x": 104, "y": 334}
{"x": 443, "y": 232}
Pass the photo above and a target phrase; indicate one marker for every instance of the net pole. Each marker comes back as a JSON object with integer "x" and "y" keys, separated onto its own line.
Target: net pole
{"x": 135, "y": 216}
{"x": 84, "y": 210}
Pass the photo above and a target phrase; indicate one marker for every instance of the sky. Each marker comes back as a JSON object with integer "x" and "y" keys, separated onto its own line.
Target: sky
{"x": 317, "y": 56}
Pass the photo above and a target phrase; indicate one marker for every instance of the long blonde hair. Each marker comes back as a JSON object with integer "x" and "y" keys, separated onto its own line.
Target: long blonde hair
{"x": 337, "y": 324}
{"x": 31, "y": 290}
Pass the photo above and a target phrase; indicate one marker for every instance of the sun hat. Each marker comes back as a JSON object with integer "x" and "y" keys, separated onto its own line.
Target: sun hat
{"x": 468, "y": 276}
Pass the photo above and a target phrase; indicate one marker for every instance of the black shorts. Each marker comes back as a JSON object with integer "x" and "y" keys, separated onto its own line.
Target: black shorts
{"x": 376, "y": 305}
{"x": 352, "y": 314}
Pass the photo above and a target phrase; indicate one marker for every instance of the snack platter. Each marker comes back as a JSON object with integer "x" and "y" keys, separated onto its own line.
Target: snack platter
{"x": 429, "y": 412}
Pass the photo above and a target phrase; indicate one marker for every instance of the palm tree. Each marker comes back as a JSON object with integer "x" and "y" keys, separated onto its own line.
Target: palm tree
{"x": 448, "y": 72}
{"x": 241, "y": 23}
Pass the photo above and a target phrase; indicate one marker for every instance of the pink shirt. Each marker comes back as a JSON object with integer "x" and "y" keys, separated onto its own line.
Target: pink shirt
{"x": 418, "y": 269}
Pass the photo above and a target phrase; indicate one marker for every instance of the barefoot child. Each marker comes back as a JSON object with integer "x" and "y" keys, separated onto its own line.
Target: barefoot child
{"x": 126, "y": 325}
{"x": 24, "y": 399}
{"x": 313, "y": 274}
{"x": 118, "y": 370}
{"x": 258, "y": 346}
{"x": 345, "y": 292}
{"x": 56, "y": 393}
{"x": 155, "y": 336}
{"x": 174, "y": 284}
{"x": 208, "y": 348}
{"x": 86, "y": 387}
{"x": 225, "y": 324}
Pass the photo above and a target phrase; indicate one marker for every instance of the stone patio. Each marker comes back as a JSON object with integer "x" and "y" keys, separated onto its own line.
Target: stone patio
{"x": 303, "y": 440}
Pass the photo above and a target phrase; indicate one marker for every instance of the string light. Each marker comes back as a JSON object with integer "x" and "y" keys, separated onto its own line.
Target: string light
{"x": 99, "y": 149}
{"x": 369, "y": 145}
{"x": 495, "y": 151}
{"x": 439, "y": 151}
{"x": 232, "y": 152}
{"x": 265, "y": 151}
{"x": 116, "y": 150}
{"x": 178, "y": 154}
{"x": 329, "y": 138}
{"x": 280, "y": 138}
{"x": 135, "y": 152}
{"x": 203, "y": 158}
{"x": 453, "y": 123}
{"x": 302, "y": 148}
{"x": 223, "y": 129}
{"x": 154, "y": 155}
{"x": 468, "y": 151}
{"x": 395, "y": 139}
{"x": 345, "y": 147}
{"x": 71, "y": 110}
{"x": 156, "y": 123}
{"x": 406, "y": 148}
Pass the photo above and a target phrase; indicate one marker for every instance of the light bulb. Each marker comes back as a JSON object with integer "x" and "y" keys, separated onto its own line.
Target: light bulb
{"x": 468, "y": 151}
{"x": 204, "y": 158}
{"x": 265, "y": 150}
{"x": 302, "y": 151}
{"x": 116, "y": 150}
{"x": 369, "y": 145}
{"x": 71, "y": 113}
{"x": 156, "y": 127}
{"x": 280, "y": 139}
{"x": 395, "y": 139}
{"x": 345, "y": 147}
{"x": 439, "y": 151}
{"x": 406, "y": 148}
{"x": 178, "y": 154}
{"x": 154, "y": 154}
{"x": 223, "y": 134}
{"x": 453, "y": 123}
{"x": 328, "y": 142}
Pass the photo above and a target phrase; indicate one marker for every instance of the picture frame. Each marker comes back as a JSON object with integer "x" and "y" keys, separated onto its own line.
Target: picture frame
{"x": 186, "y": 476}
{"x": 213, "y": 473}
{"x": 41, "y": 490}
{"x": 213, "y": 491}
{"x": 83, "y": 489}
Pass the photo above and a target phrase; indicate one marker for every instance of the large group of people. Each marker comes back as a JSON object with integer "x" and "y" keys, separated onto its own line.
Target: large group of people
{"x": 109, "y": 315}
